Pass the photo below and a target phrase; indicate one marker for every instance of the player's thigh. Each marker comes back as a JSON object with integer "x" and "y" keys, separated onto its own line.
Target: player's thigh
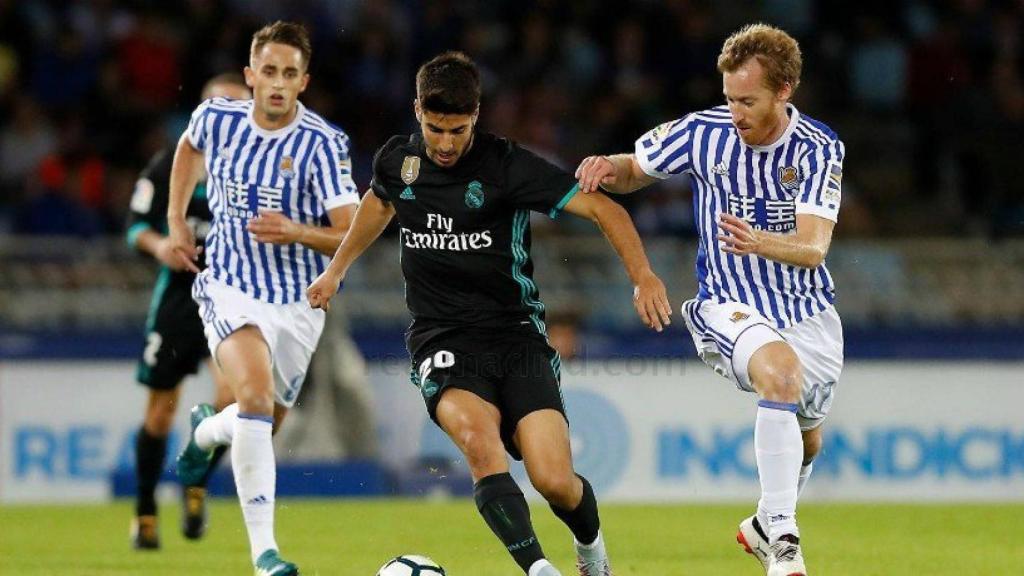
{"x": 727, "y": 335}
{"x": 530, "y": 382}
{"x": 452, "y": 361}
{"x": 818, "y": 342}
{"x": 297, "y": 329}
{"x": 542, "y": 438}
{"x": 244, "y": 358}
{"x": 174, "y": 345}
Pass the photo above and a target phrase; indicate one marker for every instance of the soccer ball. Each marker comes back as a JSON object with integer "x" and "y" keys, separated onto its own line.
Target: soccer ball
{"x": 411, "y": 565}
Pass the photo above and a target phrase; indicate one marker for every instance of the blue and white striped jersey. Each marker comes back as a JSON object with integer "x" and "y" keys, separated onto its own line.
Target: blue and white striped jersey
{"x": 302, "y": 171}
{"x": 800, "y": 173}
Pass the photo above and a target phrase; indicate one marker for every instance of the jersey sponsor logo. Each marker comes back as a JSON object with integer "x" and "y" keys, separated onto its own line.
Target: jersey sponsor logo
{"x": 789, "y": 177}
{"x": 238, "y": 193}
{"x": 475, "y": 195}
{"x": 764, "y": 214}
{"x": 286, "y": 167}
{"x": 410, "y": 169}
{"x": 738, "y": 316}
{"x": 455, "y": 242}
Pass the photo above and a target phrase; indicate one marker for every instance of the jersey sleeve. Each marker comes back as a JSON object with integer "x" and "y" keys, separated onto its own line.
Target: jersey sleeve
{"x": 821, "y": 191}
{"x": 332, "y": 172}
{"x": 377, "y": 186}
{"x": 536, "y": 184}
{"x": 148, "y": 207}
{"x": 199, "y": 125}
{"x": 664, "y": 151}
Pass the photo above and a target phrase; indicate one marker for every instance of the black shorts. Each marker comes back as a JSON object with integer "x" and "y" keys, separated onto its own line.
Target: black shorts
{"x": 517, "y": 371}
{"x": 175, "y": 343}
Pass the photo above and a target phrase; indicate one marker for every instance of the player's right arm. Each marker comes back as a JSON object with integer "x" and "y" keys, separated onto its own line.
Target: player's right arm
{"x": 372, "y": 217}
{"x": 618, "y": 174}
{"x": 663, "y": 152}
{"x": 185, "y": 174}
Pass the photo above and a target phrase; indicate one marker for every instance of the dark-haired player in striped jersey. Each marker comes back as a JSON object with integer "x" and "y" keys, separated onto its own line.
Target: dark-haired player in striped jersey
{"x": 478, "y": 342}
{"x": 281, "y": 194}
{"x": 175, "y": 344}
{"x": 767, "y": 184}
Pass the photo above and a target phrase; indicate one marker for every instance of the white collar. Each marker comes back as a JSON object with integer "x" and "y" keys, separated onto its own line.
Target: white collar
{"x": 794, "y": 119}
{"x": 300, "y": 110}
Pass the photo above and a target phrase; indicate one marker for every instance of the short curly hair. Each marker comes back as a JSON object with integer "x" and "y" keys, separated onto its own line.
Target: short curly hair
{"x": 776, "y": 51}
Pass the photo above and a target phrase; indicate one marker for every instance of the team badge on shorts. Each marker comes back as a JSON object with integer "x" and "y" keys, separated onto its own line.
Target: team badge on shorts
{"x": 410, "y": 169}
{"x": 429, "y": 388}
{"x": 789, "y": 177}
{"x": 738, "y": 316}
{"x": 286, "y": 167}
{"x": 475, "y": 194}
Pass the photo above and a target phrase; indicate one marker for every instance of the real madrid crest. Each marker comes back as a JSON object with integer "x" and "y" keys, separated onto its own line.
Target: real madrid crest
{"x": 789, "y": 177}
{"x": 286, "y": 167}
{"x": 410, "y": 169}
{"x": 475, "y": 194}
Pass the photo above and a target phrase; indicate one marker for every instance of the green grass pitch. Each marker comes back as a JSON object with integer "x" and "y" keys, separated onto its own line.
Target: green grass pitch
{"x": 345, "y": 537}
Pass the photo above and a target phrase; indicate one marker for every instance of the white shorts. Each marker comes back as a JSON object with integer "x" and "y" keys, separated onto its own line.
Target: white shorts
{"x": 290, "y": 330}
{"x": 726, "y": 335}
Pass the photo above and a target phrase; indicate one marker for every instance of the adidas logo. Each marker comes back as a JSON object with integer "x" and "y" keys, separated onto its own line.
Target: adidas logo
{"x": 407, "y": 194}
{"x": 261, "y": 499}
{"x": 721, "y": 169}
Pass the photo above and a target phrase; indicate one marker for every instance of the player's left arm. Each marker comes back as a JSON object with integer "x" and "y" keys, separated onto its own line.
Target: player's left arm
{"x": 649, "y": 296}
{"x": 276, "y": 228}
{"x": 806, "y": 248}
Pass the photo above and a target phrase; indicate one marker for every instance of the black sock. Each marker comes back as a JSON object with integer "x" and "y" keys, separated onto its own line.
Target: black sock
{"x": 149, "y": 462}
{"x": 583, "y": 521}
{"x": 504, "y": 508}
{"x": 218, "y": 453}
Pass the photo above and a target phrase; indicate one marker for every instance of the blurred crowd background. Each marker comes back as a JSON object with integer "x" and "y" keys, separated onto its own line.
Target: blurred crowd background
{"x": 928, "y": 97}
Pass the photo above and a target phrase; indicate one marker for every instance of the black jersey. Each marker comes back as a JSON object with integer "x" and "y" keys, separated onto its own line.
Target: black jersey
{"x": 149, "y": 210}
{"x": 465, "y": 231}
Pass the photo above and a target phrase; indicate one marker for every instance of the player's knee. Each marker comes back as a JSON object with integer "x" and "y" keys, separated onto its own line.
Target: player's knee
{"x": 556, "y": 488}
{"x": 254, "y": 399}
{"x": 479, "y": 446}
{"x": 779, "y": 382}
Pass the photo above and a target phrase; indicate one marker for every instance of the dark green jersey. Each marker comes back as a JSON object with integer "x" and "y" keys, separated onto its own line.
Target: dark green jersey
{"x": 149, "y": 210}
{"x": 465, "y": 231}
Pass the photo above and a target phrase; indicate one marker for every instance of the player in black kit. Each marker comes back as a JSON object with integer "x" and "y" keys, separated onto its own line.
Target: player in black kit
{"x": 478, "y": 342}
{"x": 175, "y": 344}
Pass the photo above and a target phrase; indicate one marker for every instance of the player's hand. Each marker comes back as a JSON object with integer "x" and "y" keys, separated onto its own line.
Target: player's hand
{"x": 168, "y": 256}
{"x": 322, "y": 290}
{"x": 651, "y": 302}
{"x": 183, "y": 252}
{"x": 594, "y": 171}
{"x": 740, "y": 238}
{"x": 275, "y": 228}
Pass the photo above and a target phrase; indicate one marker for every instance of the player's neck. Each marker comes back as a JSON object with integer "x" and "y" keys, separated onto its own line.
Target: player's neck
{"x": 274, "y": 122}
{"x": 781, "y": 123}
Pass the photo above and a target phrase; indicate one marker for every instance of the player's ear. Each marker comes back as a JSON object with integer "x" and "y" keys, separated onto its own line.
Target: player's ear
{"x": 417, "y": 109}
{"x": 305, "y": 82}
{"x": 476, "y": 115}
{"x": 250, "y": 76}
{"x": 786, "y": 92}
